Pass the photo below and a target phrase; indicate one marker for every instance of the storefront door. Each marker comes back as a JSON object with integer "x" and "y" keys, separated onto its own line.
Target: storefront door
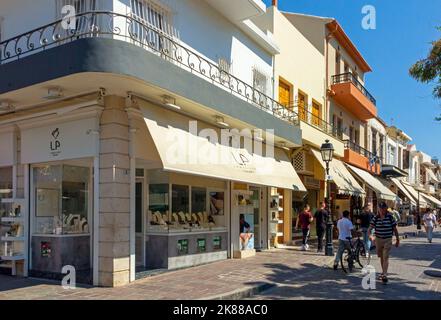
{"x": 139, "y": 225}
{"x": 256, "y": 202}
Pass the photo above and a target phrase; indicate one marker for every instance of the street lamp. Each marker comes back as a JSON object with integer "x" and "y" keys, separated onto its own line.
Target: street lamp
{"x": 327, "y": 151}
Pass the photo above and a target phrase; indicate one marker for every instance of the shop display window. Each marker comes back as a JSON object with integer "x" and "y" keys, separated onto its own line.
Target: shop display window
{"x": 6, "y": 183}
{"x": 179, "y": 207}
{"x": 61, "y": 199}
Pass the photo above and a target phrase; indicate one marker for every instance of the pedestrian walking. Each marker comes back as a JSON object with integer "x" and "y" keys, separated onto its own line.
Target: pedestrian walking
{"x": 365, "y": 222}
{"x": 385, "y": 227}
{"x": 321, "y": 217}
{"x": 305, "y": 220}
{"x": 429, "y": 220}
{"x": 345, "y": 227}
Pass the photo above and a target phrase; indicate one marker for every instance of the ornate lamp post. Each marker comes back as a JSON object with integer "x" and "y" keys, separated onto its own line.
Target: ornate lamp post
{"x": 327, "y": 151}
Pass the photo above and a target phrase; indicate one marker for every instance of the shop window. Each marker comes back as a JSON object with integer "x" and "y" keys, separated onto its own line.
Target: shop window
{"x": 6, "y": 182}
{"x": 158, "y": 204}
{"x": 217, "y": 203}
{"x": 61, "y": 199}
{"x": 180, "y": 199}
{"x": 198, "y": 200}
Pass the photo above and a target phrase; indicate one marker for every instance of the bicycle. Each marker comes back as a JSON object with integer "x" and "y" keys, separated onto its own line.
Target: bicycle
{"x": 356, "y": 253}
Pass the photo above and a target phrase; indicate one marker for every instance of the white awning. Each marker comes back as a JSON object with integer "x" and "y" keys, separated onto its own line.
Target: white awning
{"x": 382, "y": 191}
{"x": 345, "y": 182}
{"x": 400, "y": 186}
{"x": 432, "y": 175}
{"x": 179, "y": 150}
{"x": 433, "y": 200}
{"x": 414, "y": 193}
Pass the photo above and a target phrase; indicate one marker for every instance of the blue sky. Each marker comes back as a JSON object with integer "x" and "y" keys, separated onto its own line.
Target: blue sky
{"x": 404, "y": 31}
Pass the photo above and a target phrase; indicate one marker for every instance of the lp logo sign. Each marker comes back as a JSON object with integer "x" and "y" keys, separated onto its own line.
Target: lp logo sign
{"x": 70, "y": 280}
{"x": 368, "y": 282}
{"x": 55, "y": 144}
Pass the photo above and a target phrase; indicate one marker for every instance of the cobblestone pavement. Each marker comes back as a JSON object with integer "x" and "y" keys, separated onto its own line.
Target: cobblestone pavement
{"x": 407, "y": 278}
{"x": 294, "y": 275}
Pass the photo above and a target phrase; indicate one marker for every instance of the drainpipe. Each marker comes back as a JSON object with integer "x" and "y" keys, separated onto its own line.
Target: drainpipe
{"x": 328, "y": 92}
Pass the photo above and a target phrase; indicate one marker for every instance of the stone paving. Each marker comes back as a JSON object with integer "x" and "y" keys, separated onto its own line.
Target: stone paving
{"x": 407, "y": 278}
{"x": 291, "y": 273}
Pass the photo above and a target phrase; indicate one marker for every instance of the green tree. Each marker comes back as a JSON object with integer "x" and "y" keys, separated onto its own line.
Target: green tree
{"x": 428, "y": 70}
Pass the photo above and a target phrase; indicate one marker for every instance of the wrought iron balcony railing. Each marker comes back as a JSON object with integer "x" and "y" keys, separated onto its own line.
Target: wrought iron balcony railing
{"x": 308, "y": 117}
{"x": 362, "y": 151}
{"x": 105, "y": 24}
{"x": 349, "y": 77}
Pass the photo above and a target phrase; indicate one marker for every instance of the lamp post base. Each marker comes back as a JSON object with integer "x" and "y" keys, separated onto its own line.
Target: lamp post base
{"x": 329, "y": 250}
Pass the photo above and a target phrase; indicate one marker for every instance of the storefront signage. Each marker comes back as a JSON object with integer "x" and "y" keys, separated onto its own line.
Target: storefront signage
{"x": 202, "y": 245}
{"x": 182, "y": 247}
{"x": 45, "y": 249}
{"x": 61, "y": 141}
{"x": 55, "y": 144}
{"x": 217, "y": 243}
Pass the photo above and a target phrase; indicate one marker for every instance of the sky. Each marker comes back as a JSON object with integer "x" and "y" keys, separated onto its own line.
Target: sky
{"x": 404, "y": 31}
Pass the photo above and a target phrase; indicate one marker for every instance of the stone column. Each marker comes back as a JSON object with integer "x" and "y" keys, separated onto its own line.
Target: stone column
{"x": 114, "y": 217}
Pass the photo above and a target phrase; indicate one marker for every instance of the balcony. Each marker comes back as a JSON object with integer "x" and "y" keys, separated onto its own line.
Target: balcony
{"x": 361, "y": 158}
{"x": 130, "y": 31}
{"x": 353, "y": 96}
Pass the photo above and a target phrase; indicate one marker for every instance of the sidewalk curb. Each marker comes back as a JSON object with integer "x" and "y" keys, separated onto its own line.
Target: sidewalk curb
{"x": 243, "y": 293}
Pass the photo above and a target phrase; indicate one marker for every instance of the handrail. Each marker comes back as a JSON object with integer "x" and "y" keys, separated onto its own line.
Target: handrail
{"x": 107, "y": 24}
{"x": 362, "y": 151}
{"x": 308, "y": 117}
{"x": 349, "y": 77}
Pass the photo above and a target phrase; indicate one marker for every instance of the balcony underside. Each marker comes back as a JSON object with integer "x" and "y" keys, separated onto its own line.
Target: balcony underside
{"x": 360, "y": 161}
{"x": 315, "y": 137}
{"x": 350, "y": 98}
{"x": 119, "y": 67}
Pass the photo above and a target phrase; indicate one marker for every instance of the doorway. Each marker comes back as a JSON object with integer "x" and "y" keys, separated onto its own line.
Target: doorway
{"x": 139, "y": 223}
{"x": 256, "y": 203}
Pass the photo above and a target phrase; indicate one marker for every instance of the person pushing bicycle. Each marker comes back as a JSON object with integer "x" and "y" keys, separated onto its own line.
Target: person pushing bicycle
{"x": 345, "y": 227}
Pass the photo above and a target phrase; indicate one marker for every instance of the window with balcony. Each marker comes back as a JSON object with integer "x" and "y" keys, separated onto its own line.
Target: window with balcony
{"x": 158, "y": 18}
{"x": 391, "y": 155}
{"x": 260, "y": 85}
{"x": 374, "y": 142}
{"x": 337, "y": 125}
{"x": 302, "y": 104}
{"x": 381, "y": 153}
{"x": 337, "y": 63}
{"x": 285, "y": 93}
{"x": 316, "y": 119}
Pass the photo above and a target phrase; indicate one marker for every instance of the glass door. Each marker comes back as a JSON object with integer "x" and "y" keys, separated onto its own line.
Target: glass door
{"x": 139, "y": 225}
{"x": 255, "y": 200}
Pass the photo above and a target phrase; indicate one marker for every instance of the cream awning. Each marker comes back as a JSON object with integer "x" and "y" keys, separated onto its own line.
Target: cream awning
{"x": 400, "y": 186}
{"x": 380, "y": 189}
{"x": 345, "y": 182}
{"x": 414, "y": 193}
{"x": 432, "y": 175}
{"x": 179, "y": 150}
{"x": 433, "y": 200}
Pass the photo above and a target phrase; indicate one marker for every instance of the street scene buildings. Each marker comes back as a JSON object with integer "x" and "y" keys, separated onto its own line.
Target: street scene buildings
{"x": 140, "y": 136}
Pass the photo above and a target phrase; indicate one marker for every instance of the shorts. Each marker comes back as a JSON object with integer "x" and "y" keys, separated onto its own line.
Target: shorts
{"x": 383, "y": 247}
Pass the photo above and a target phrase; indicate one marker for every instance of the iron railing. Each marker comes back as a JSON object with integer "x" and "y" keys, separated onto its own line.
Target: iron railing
{"x": 308, "y": 117}
{"x": 362, "y": 151}
{"x": 349, "y": 77}
{"x": 106, "y": 24}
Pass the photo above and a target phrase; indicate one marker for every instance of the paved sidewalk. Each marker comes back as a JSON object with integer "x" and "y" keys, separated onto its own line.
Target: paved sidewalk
{"x": 227, "y": 279}
{"x": 407, "y": 278}
{"x": 283, "y": 273}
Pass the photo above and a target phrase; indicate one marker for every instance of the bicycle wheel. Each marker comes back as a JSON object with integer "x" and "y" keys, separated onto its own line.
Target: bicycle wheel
{"x": 363, "y": 256}
{"x": 346, "y": 261}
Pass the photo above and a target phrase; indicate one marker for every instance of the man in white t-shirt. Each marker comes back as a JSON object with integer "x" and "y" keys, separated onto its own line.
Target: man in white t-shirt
{"x": 345, "y": 227}
{"x": 429, "y": 220}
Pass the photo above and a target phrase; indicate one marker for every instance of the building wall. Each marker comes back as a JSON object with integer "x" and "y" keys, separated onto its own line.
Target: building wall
{"x": 334, "y": 48}
{"x": 301, "y": 61}
{"x": 348, "y": 120}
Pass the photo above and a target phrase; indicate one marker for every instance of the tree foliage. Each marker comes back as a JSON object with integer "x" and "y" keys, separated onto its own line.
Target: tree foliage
{"x": 428, "y": 70}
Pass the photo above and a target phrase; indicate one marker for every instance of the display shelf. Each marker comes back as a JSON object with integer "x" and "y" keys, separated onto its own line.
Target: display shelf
{"x": 12, "y": 239}
{"x": 12, "y": 219}
{"x": 13, "y": 258}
